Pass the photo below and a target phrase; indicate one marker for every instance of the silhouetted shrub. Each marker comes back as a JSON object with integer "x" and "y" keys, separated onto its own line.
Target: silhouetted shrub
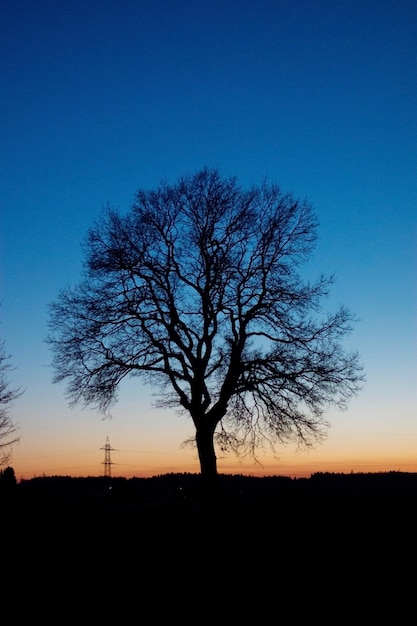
{"x": 7, "y": 481}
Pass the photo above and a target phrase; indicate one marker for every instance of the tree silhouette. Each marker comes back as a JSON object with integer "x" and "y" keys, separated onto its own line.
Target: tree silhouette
{"x": 8, "y": 481}
{"x": 8, "y": 429}
{"x": 198, "y": 290}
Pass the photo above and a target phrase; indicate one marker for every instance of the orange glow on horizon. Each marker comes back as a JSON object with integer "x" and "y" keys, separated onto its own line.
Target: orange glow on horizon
{"x": 293, "y": 469}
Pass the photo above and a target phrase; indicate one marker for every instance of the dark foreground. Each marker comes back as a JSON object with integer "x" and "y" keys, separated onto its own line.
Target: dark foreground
{"x": 333, "y": 548}
{"x": 383, "y": 498}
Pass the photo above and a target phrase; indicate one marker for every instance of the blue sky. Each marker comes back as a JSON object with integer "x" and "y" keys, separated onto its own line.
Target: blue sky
{"x": 101, "y": 98}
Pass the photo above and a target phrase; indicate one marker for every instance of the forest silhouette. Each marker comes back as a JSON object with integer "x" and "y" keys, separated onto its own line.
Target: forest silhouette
{"x": 182, "y": 491}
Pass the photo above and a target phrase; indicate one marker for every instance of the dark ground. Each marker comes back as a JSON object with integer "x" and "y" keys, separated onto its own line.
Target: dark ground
{"x": 332, "y": 548}
{"x": 385, "y": 499}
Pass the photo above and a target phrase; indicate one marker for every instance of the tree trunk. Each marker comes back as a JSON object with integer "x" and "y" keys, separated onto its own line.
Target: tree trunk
{"x": 208, "y": 461}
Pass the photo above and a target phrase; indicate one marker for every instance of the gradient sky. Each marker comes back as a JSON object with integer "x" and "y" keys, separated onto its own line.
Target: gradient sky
{"x": 102, "y": 97}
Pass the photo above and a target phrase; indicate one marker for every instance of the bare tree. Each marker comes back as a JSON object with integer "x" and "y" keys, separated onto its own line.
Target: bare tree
{"x": 8, "y": 429}
{"x": 198, "y": 289}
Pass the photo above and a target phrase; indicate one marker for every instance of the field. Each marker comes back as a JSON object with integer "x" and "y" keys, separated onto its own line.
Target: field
{"x": 109, "y": 548}
{"x": 383, "y": 499}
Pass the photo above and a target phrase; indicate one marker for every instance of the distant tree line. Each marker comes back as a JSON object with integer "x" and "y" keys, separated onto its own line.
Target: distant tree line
{"x": 176, "y": 487}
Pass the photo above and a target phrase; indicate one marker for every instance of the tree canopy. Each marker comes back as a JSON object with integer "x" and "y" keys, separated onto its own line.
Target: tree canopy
{"x": 198, "y": 289}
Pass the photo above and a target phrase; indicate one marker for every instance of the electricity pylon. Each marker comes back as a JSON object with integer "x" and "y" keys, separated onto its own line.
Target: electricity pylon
{"x": 107, "y": 458}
